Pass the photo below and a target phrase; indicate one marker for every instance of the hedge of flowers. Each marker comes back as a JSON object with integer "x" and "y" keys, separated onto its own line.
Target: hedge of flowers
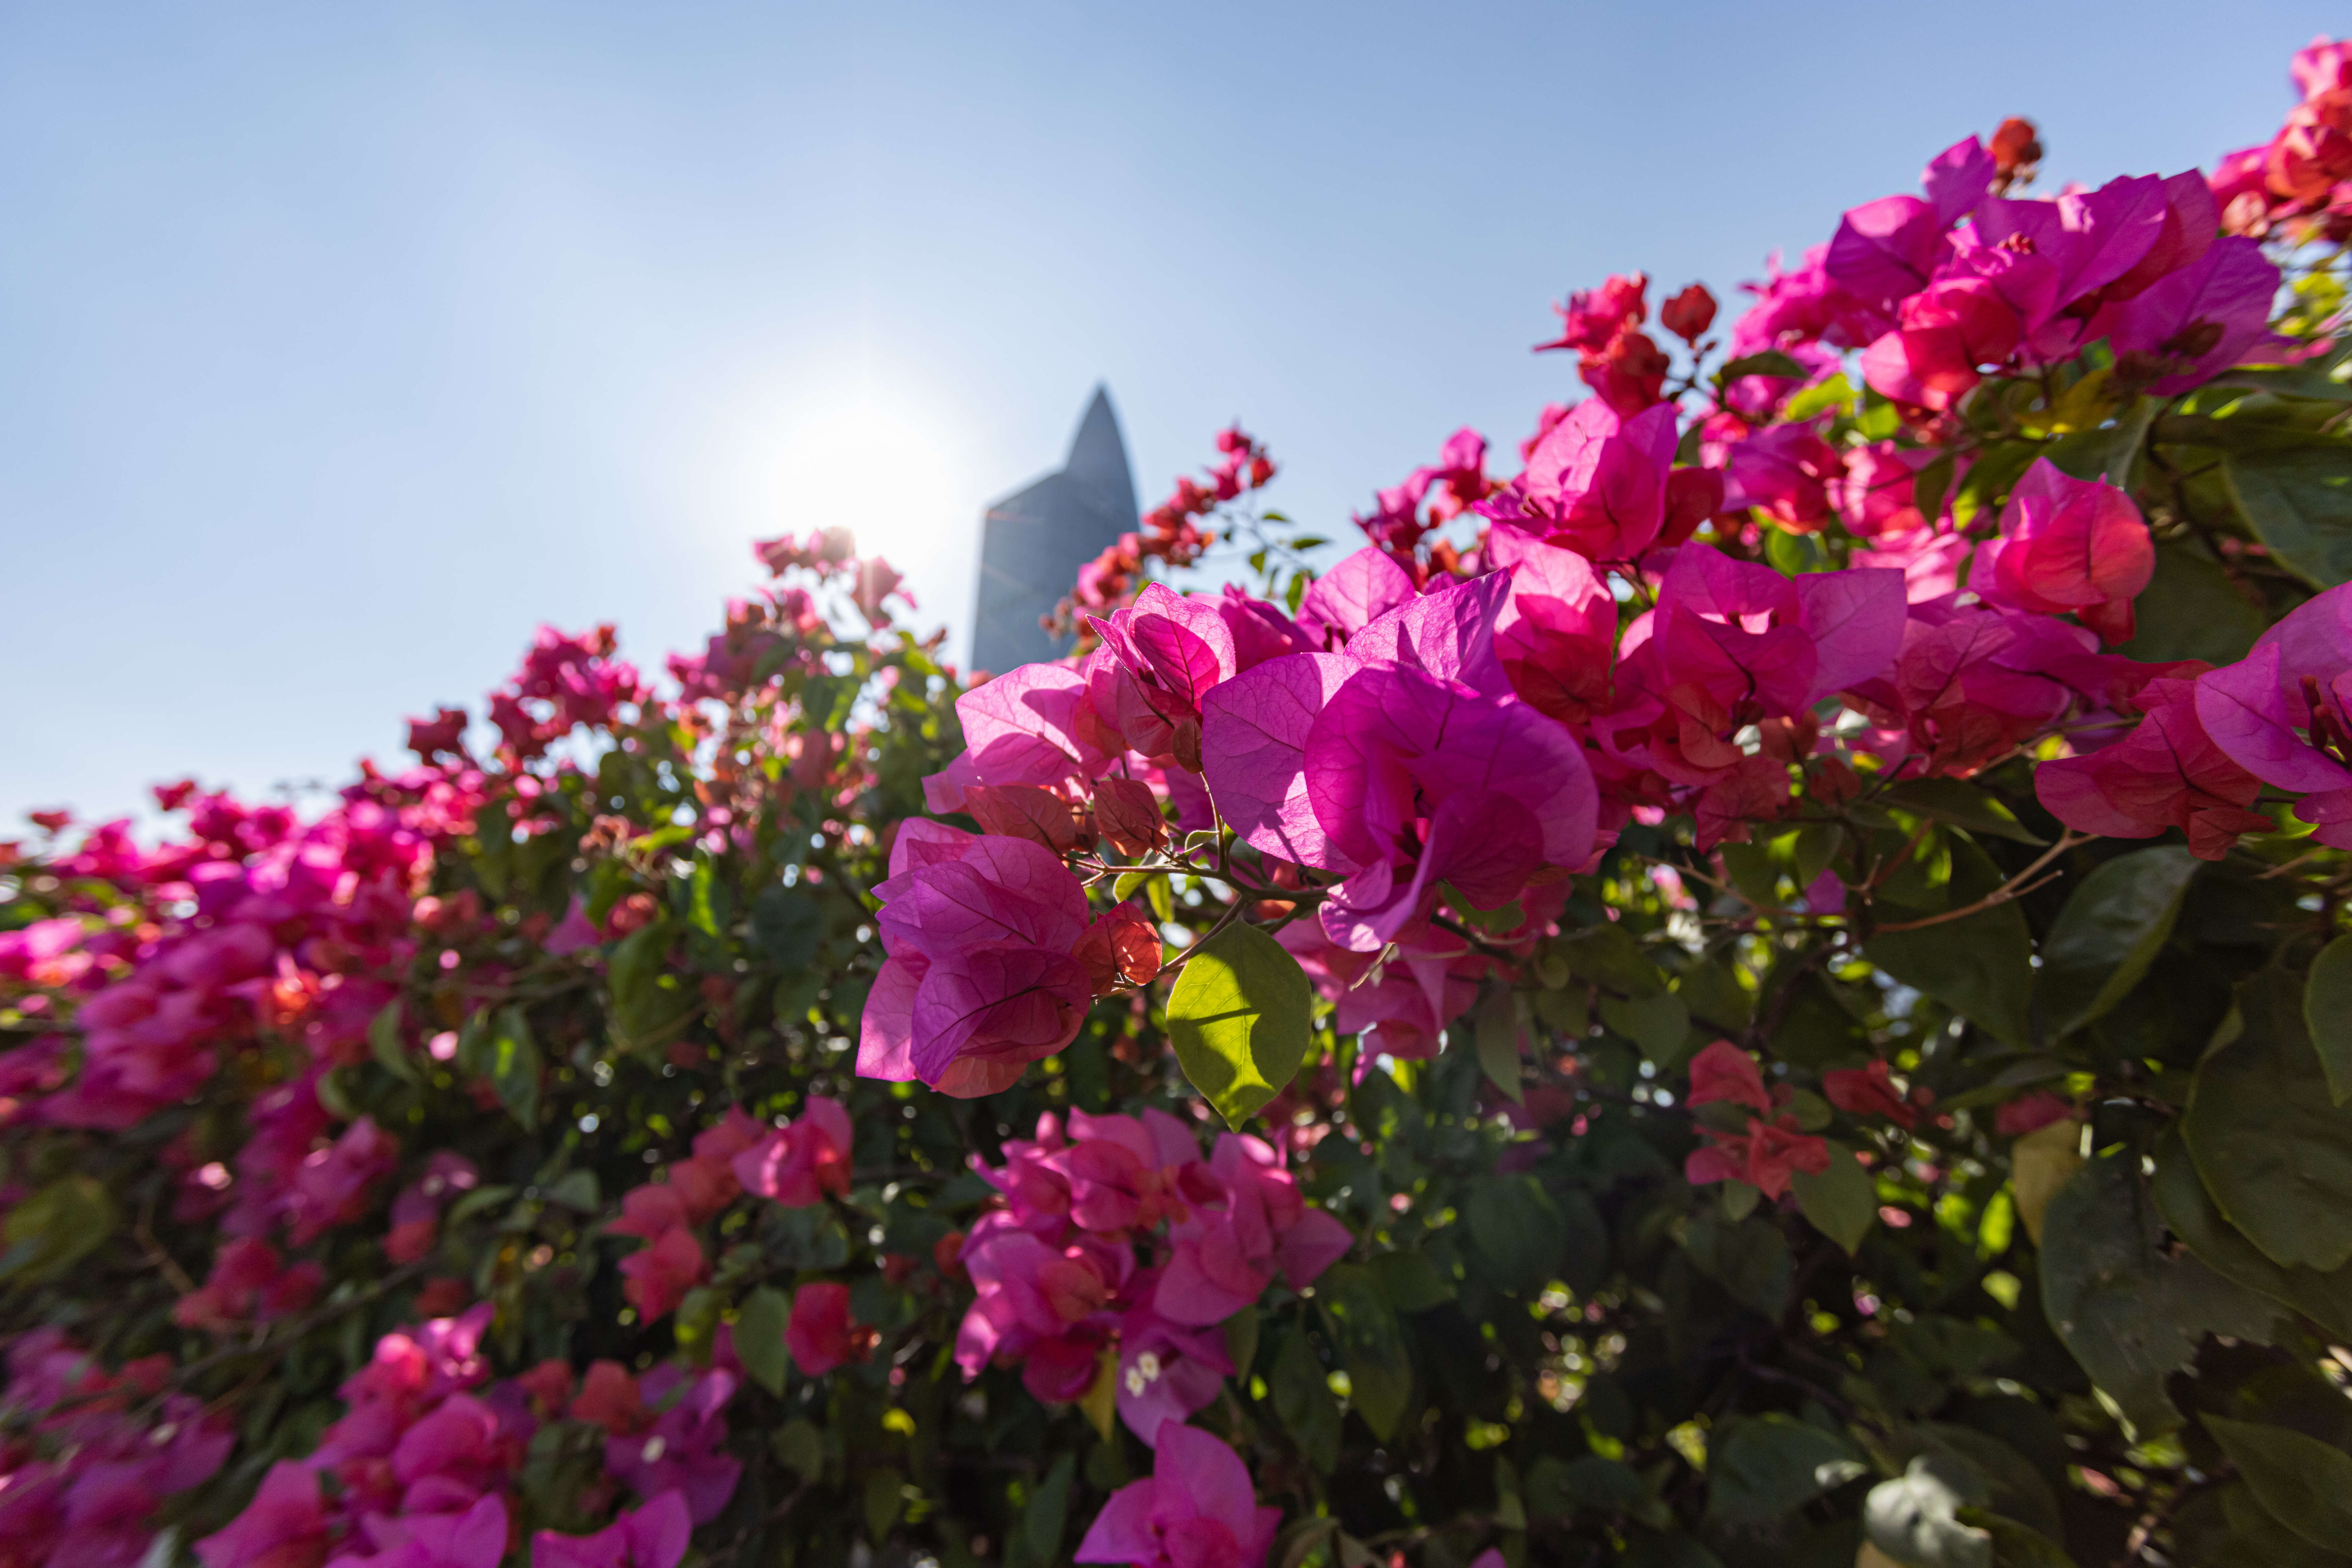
{"x": 1769, "y": 987}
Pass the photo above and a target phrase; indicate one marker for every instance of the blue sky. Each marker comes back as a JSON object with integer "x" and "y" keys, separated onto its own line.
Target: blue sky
{"x": 341, "y": 345}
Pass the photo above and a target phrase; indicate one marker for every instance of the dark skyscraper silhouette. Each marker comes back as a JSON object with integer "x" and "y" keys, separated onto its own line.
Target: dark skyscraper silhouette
{"x": 1033, "y": 542}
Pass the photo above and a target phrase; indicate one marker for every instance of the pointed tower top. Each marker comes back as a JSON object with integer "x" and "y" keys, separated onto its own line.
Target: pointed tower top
{"x": 1097, "y": 452}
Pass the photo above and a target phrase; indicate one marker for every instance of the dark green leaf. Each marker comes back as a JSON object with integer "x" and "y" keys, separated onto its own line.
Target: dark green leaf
{"x": 1760, "y": 1467}
{"x": 1497, "y": 1027}
{"x": 1518, "y": 1231}
{"x": 1241, "y": 1341}
{"x": 2299, "y": 501}
{"x": 1772, "y": 361}
{"x": 1409, "y": 1280}
{"x": 788, "y": 925}
{"x": 2267, "y": 1135}
{"x": 1302, "y": 1399}
{"x": 2109, "y": 933}
{"x": 386, "y": 1046}
{"x": 2302, "y": 1482}
{"x": 1980, "y": 965}
{"x": 2327, "y": 1013}
{"x": 1047, "y": 1516}
{"x": 1363, "y": 1330}
{"x": 515, "y": 1066}
{"x": 2188, "y": 1209}
{"x": 1556, "y": 1487}
{"x": 2192, "y": 609}
{"x": 1842, "y": 1202}
{"x": 760, "y": 1337}
{"x": 2130, "y": 1314}
{"x": 56, "y": 1227}
{"x": 1960, "y": 803}
{"x": 1239, "y": 1018}
{"x": 1749, "y": 1259}
{"x": 1659, "y": 1024}
{"x": 1612, "y": 956}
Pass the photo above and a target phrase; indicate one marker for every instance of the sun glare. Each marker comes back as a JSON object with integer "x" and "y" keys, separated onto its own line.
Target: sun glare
{"x": 890, "y": 475}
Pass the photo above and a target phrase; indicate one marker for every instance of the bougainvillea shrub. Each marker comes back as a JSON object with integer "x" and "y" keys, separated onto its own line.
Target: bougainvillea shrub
{"x": 1762, "y": 980}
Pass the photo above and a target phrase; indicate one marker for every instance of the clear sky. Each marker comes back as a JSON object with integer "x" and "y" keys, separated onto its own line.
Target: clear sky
{"x": 341, "y": 345}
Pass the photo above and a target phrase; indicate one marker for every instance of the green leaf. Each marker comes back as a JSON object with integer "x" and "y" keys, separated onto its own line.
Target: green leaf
{"x": 1241, "y": 1341}
{"x": 1556, "y": 1487}
{"x": 1497, "y": 1027}
{"x": 386, "y": 1046}
{"x": 647, "y": 1001}
{"x": 760, "y": 1337}
{"x": 576, "y": 1191}
{"x": 2109, "y": 933}
{"x": 1659, "y": 1024}
{"x": 514, "y": 1067}
{"x": 1760, "y": 1467}
{"x": 1915, "y": 1518}
{"x": 56, "y": 1227}
{"x": 885, "y": 1499}
{"x": 2327, "y": 1015}
{"x": 1749, "y": 1259}
{"x": 1772, "y": 361}
{"x": 1612, "y": 956}
{"x": 1048, "y": 1513}
{"x": 1409, "y": 1280}
{"x": 2302, "y": 1482}
{"x": 2299, "y": 501}
{"x": 1929, "y": 487}
{"x": 788, "y": 927}
{"x": 1980, "y": 965}
{"x": 2188, "y": 1209}
{"x": 1303, "y": 1401}
{"x": 2131, "y": 1314}
{"x": 1842, "y": 1202}
{"x": 1239, "y": 1017}
{"x": 1128, "y": 882}
{"x": 2192, "y": 609}
{"x": 1363, "y": 1330}
{"x": 2264, "y": 1129}
{"x": 1518, "y": 1231}
{"x": 1960, "y": 803}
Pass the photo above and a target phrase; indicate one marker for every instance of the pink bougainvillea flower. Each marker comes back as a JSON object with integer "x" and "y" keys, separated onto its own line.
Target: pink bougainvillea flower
{"x": 476, "y": 1538}
{"x": 2067, "y": 545}
{"x": 1359, "y": 590}
{"x": 1884, "y": 251}
{"x": 1198, "y": 1510}
{"x": 684, "y": 1449}
{"x": 1725, "y": 1072}
{"x": 2168, "y": 773}
{"x": 1943, "y": 338}
{"x": 654, "y": 1536}
{"x": 1124, "y": 1172}
{"x": 1556, "y": 634}
{"x": 2185, "y": 328}
{"x": 1868, "y": 1091}
{"x": 980, "y": 980}
{"x": 1420, "y": 781}
{"x": 1596, "y": 483}
{"x": 285, "y": 1526}
{"x": 659, "y": 1275}
{"x": 1173, "y": 650}
{"x": 1875, "y": 496}
{"x": 798, "y": 1165}
{"x": 2283, "y": 713}
{"x": 1166, "y": 1371}
{"x": 1786, "y": 471}
{"x": 1248, "y": 1223}
{"x": 820, "y": 1333}
{"x": 1767, "y": 1156}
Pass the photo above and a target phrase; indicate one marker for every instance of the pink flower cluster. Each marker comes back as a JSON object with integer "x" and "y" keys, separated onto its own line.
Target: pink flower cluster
{"x": 1197, "y": 1510}
{"x": 1172, "y": 531}
{"x": 92, "y": 1454}
{"x": 419, "y": 1470}
{"x": 2300, "y": 181}
{"x": 2210, "y": 739}
{"x": 1059, "y": 1288}
{"x": 1963, "y": 284}
{"x": 564, "y": 683}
